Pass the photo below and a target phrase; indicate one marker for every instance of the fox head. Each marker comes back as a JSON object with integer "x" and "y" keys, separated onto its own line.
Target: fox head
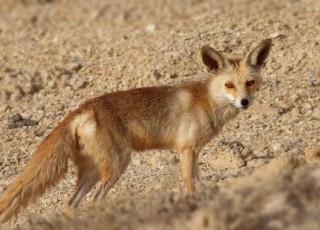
{"x": 235, "y": 80}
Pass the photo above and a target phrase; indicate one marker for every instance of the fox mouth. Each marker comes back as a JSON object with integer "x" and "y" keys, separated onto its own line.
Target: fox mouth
{"x": 244, "y": 108}
{"x": 239, "y": 106}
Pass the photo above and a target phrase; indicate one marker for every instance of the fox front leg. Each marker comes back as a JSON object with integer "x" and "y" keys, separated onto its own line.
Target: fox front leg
{"x": 189, "y": 170}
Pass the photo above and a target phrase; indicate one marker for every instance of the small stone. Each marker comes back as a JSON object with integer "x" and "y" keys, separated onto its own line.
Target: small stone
{"x": 309, "y": 112}
{"x": 33, "y": 19}
{"x": 307, "y": 106}
{"x": 295, "y": 97}
{"x": 276, "y": 147}
{"x": 17, "y": 117}
{"x": 173, "y": 161}
{"x": 276, "y": 35}
{"x": 312, "y": 153}
{"x": 137, "y": 161}
{"x": 315, "y": 82}
{"x": 81, "y": 84}
{"x": 17, "y": 121}
{"x": 295, "y": 112}
{"x": 38, "y": 133}
{"x": 255, "y": 117}
{"x": 316, "y": 113}
{"x": 3, "y": 108}
{"x": 150, "y": 28}
{"x": 76, "y": 67}
{"x": 65, "y": 77}
{"x": 173, "y": 75}
{"x": 29, "y": 122}
{"x": 156, "y": 74}
{"x": 225, "y": 160}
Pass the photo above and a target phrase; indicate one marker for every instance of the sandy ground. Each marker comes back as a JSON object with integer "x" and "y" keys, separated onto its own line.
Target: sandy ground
{"x": 261, "y": 172}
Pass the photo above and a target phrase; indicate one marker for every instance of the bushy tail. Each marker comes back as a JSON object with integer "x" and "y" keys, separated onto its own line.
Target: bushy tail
{"x": 48, "y": 164}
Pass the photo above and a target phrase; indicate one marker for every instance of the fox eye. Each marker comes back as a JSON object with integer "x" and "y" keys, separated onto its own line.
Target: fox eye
{"x": 250, "y": 83}
{"x": 229, "y": 85}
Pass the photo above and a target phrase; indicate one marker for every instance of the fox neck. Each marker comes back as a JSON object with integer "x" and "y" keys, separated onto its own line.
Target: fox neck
{"x": 223, "y": 114}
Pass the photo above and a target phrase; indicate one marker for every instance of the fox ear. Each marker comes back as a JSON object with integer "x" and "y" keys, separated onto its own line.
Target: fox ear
{"x": 257, "y": 56}
{"x": 213, "y": 59}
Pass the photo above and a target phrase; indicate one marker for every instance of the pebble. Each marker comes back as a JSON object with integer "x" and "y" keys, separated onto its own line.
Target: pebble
{"x": 316, "y": 113}
{"x": 156, "y": 74}
{"x": 225, "y": 160}
{"x": 17, "y": 121}
{"x": 150, "y": 28}
{"x": 276, "y": 35}
{"x": 295, "y": 112}
{"x": 76, "y": 67}
{"x": 307, "y": 106}
{"x": 3, "y": 108}
{"x": 312, "y": 153}
{"x": 137, "y": 161}
{"x": 276, "y": 147}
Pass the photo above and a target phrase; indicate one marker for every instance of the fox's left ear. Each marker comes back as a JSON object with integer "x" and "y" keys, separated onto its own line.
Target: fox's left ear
{"x": 258, "y": 55}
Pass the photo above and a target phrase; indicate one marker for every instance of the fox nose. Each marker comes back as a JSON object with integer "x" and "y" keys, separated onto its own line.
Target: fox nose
{"x": 244, "y": 102}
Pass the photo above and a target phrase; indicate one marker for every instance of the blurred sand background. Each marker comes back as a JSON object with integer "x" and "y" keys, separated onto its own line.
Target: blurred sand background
{"x": 261, "y": 172}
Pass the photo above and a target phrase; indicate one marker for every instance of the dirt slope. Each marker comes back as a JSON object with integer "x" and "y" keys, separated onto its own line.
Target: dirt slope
{"x": 55, "y": 54}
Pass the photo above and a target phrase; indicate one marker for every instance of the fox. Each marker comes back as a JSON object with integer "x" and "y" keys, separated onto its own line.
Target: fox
{"x": 101, "y": 134}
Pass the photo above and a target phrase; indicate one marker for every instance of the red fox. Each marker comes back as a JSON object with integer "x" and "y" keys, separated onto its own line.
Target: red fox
{"x": 100, "y": 135}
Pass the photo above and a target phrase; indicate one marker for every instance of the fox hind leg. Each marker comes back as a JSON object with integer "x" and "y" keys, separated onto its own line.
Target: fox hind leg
{"x": 110, "y": 174}
{"x": 109, "y": 179}
{"x": 88, "y": 176}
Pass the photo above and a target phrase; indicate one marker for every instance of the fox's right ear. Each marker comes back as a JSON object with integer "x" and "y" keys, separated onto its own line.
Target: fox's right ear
{"x": 213, "y": 59}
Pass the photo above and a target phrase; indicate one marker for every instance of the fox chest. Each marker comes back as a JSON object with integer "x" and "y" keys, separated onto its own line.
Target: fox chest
{"x": 198, "y": 128}
{"x": 195, "y": 131}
